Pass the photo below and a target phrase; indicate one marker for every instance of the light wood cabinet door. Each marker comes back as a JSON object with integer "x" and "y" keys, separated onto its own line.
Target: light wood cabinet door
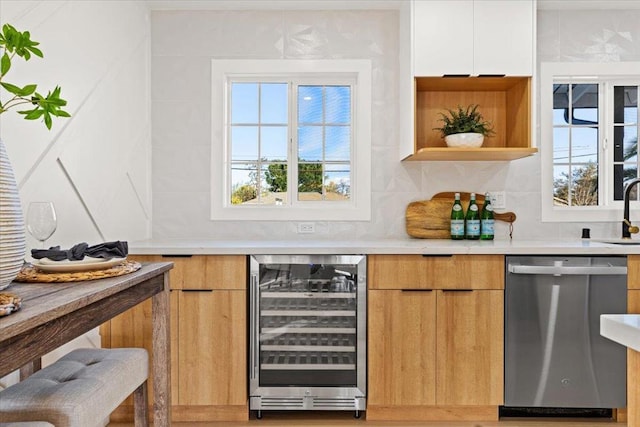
{"x": 470, "y": 347}
{"x": 633, "y": 272}
{"x": 633, "y": 357}
{"x": 436, "y": 272}
{"x": 212, "y": 368}
{"x": 402, "y": 347}
{"x": 633, "y": 301}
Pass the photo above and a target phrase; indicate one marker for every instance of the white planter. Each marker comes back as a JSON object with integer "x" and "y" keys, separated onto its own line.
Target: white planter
{"x": 12, "y": 232}
{"x": 466, "y": 140}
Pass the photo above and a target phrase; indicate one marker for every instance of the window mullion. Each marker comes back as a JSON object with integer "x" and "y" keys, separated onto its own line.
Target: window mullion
{"x": 323, "y": 166}
{"x": 292, "y": 162}
{"x": 605, "y": 131}
{"x": 570, "y": 189}
{"x": 259, "y": 163}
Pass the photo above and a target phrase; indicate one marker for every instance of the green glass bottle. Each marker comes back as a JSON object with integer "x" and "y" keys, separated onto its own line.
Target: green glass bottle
{"x": 486, "y": 220}
{"x": 457, "y": 219}
{"x": 472, "y": 220}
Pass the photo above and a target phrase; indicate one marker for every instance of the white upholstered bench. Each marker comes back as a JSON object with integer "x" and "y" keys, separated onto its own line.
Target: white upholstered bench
{"x": 81, "y": 389}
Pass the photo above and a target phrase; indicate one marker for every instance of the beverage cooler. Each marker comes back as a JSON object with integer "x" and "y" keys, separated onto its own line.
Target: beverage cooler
{"x": 307, "y": 326}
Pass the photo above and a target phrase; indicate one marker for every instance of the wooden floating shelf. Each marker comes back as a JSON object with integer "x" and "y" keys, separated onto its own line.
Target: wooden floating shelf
{"x": 471, "y": 154}
{"x": 503, "y": 101}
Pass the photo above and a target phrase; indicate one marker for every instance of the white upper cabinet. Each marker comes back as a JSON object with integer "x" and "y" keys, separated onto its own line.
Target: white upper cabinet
{"x": 473, "y": 37}
{"x": 443, "y": 37}
{"x": 503, "y": 37}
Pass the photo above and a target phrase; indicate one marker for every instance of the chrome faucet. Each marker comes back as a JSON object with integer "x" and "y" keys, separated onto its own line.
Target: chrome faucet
{"x": 627, "y": 228}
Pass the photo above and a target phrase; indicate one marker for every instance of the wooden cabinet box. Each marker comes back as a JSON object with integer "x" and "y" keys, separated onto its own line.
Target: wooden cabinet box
{"x": 435, "y": 337}
{"x": 633, "y": 357}
{"x": 503, "y": 101}
{"x": 208, "y": 337}
{"x": 479, "y": 42}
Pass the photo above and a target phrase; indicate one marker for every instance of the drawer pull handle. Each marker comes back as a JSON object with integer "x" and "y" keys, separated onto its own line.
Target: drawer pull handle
{"x": 416, "y": 290}
{"x": 437, "y": 255}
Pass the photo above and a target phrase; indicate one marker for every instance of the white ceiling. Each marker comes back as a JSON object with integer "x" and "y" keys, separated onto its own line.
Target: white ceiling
{"x": 360, "y": 4}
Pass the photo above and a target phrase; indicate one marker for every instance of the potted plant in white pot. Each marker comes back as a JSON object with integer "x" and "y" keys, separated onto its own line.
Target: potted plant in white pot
{"x": 33, "y": 106}
{"x": 464, "y": 127}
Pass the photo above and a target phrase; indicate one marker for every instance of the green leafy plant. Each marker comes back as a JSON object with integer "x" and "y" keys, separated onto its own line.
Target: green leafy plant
{"x": 464, "y": 120}
{"x": 12, "y": 43}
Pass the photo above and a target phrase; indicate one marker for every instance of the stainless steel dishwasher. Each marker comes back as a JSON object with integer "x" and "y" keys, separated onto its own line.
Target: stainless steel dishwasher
{"x": 554, "y": 354}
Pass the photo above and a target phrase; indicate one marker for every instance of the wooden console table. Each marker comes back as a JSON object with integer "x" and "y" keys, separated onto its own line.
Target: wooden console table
{"x": 53, "y": 314}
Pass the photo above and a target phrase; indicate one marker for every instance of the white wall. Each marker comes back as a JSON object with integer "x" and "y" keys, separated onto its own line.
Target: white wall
{"x": 181, "y": 74}
{"x": 181, "y": 115}
{"x": 95, "y": 166}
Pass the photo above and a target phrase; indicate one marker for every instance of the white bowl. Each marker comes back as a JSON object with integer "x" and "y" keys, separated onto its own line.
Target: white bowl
{"x": 466, "y": 140}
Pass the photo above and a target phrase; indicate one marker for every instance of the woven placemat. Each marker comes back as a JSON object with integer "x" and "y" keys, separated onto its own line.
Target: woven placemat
{"x": 30, "y": 274}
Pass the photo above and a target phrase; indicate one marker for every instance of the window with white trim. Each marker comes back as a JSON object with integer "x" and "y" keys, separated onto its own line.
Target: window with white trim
{"x": 291, "y": 139}
{"x": 589, "y": 138}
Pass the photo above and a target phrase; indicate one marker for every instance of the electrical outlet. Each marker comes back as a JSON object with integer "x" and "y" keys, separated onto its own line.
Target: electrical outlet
{"x": 306, "y": 228}
{"x": 498, "y": 199}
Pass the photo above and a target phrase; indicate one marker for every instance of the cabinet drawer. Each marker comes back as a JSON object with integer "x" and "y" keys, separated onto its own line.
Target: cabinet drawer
{"x": 436, "y": 272}
{"x": 203, "y": 271}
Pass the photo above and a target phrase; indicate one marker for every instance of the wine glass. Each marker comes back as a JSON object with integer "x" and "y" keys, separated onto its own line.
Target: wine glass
{"x": 41, "y": 220}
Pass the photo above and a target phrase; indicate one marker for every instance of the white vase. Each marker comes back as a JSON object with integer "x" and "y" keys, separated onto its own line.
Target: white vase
{"x": 12, "y": 232}
{"x": 464, "y": 140}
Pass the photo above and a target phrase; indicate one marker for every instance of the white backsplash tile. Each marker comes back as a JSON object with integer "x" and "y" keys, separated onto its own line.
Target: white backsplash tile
{"x": 220, "y": 34}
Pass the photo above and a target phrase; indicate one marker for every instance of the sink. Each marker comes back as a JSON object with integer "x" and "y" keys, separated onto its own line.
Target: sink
{"x": 618, "y": 241}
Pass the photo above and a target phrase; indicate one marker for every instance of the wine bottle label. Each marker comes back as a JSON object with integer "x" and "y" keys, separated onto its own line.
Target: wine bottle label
{"x": 473, "y": 207}
{"x": 457, "y": 227}
{"x": 489, "y": 208}
{"x": 473, "y": 227}
{"x": 488, "y": 226}
{"x": 457, "y": 207}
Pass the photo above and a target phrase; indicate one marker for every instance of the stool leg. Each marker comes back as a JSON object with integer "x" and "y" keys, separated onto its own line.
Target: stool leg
{"x": 140, "y": 406}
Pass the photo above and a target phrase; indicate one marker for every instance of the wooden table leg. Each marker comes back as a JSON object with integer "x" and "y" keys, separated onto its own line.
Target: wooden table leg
{"x": 161, "y": 368}
{"x": 27, "y": 370}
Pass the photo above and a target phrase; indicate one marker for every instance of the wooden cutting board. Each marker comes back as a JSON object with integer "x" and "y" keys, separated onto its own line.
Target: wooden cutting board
{"x": 430, "y": 219}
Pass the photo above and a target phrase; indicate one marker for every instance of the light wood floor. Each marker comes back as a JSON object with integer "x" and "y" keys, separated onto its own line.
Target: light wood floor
{"x": 346, "y": 419}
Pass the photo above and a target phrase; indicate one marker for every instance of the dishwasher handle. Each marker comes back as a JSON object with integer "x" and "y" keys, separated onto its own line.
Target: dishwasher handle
{"x": 597, "y": 270}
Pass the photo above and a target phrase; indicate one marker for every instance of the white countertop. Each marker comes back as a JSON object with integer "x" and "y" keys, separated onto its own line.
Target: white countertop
{"x": 382, "y": 246}
{"x": 621, "y": 328}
